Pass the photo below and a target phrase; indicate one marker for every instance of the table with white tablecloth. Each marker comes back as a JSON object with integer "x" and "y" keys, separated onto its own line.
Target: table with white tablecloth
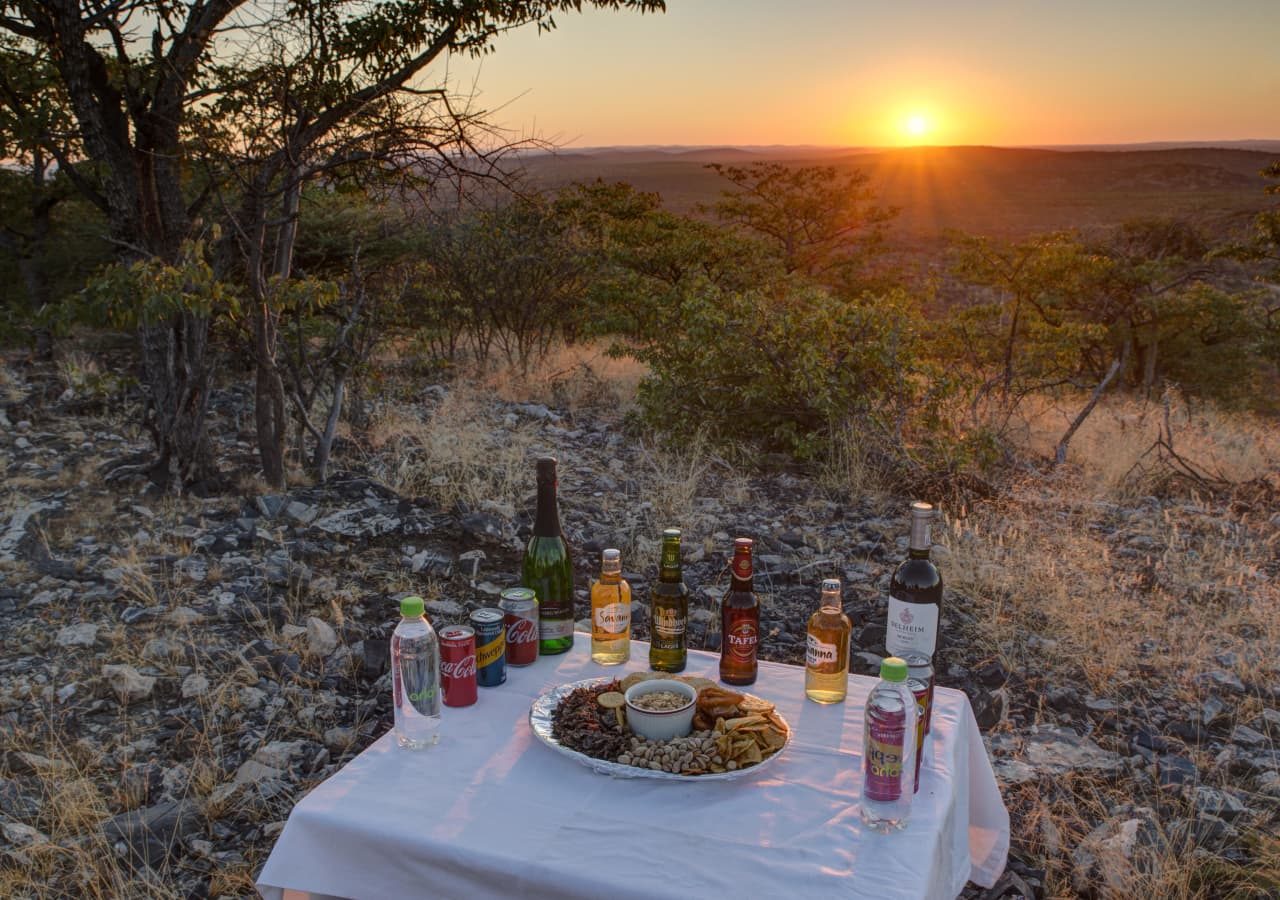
{"x": 492, "y": 812}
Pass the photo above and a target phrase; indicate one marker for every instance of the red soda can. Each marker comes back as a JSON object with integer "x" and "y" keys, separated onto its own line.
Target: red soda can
{"x": 920, "y": 681}
{"x": 491, "y": 646}
{"x": 458, "y": 664}
{"x": 520, "y": 610}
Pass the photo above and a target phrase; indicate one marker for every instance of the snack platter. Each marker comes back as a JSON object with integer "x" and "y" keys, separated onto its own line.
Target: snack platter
{"x": 541, "y": 719}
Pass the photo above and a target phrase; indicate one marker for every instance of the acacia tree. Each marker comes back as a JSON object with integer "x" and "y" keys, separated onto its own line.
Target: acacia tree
{"x": 138, "y": 73}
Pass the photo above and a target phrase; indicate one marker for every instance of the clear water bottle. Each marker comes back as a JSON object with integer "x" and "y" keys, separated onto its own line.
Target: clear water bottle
{"x": 415, "y": 676}
{"x": 888, "y": 749}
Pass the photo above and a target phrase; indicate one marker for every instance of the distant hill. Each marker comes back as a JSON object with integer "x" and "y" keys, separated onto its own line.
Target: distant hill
{"x": 984, "y": 190}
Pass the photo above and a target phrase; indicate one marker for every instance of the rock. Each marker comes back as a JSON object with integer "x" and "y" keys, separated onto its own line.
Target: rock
{"x": 67, "y": 691}
{"x": 279, "y": 754}
{"x": 192, "y": 568}
{"x": 135, "y": 614}
{"x": 292, "y": 632}
{"x": 20, "y": 835}
{"x": 1205, "y": 831}
{"x": 445, "y": 607}
{"x": 988, "y": 708}
{"x": 1223, "y": 679}
{"x": 270, "y": 505}
{"x": 993, "y": 674}
{"x": 160, "y": 650}
{"x": 1116, "y": 853}
{"x": 1014, "y": 771}
{"x": 1211, "y": 710}
{"x": 251, "y": 771}
{"x": 22, "y": 762}
{"x": 301, "y": 512}
{"x": 16, "y": 530}
{"x": 375, "y": 657}
{"x": 1247, "y": 737}
{"x": 252, "y": 698}
{"x": 82, "y": 634}
{"x": 321, "y": 638}
{"x": 482, "y": 525}
{"x": 1213, "y": 802}
{"x": 1059, "y": 750}
{"x": 194, "y": 685}
{"x": 128, "y": 683}
{"x": 339, "y": 739}
{"x": 152, "y": 834}
{"x": 1172, "y": 771}
{"x": 184, "y": 617}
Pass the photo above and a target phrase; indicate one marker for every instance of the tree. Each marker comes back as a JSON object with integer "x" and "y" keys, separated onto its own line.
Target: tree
{"x": 822, "y": 222}
{"x": 144, "y": 78}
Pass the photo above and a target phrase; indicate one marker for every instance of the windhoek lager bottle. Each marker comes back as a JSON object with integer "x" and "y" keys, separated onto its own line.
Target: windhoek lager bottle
{"x": 668, "y": 650}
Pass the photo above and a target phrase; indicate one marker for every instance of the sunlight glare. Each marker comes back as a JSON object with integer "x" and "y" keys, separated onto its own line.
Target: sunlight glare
{"x": 916, "y": 125}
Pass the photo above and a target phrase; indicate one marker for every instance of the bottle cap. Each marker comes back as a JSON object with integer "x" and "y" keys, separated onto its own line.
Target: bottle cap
{"x": 893, "y": 669}
{"x": 611, "y": 556}
{"x": 671, "y": 534}
{"x": 831, "y": 585}
{"x": 411, "y": 607}
{"x": 546, "y": 467}
{"x": 922, "y": 509}
{"x": 742, "y": 545}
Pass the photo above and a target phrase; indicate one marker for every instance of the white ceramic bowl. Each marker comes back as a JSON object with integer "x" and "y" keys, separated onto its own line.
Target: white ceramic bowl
{"x": 664, "y": 725}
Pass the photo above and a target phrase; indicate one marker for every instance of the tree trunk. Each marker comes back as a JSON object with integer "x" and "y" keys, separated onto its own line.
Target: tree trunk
{"x": 268, "y": 396}
{"x": 177, "y": 378}
{"x": 324, "y": 446}
{"x": 1060, "y": 454}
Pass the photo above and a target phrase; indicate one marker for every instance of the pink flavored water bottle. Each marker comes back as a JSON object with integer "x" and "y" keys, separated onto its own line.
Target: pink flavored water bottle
{"x": 888, "y": 749}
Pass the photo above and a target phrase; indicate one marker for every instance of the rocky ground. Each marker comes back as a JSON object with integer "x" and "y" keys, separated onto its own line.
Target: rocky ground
{"x": 176, "y": 673}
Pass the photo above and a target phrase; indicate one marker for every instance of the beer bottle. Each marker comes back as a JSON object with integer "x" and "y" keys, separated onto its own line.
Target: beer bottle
{"x": 668, "y": 650}
{"x": 610, "y": 613}
{"x": 548, "y": 569}
{"x": 739, "y": 620}
{"x": 826, "y": 656}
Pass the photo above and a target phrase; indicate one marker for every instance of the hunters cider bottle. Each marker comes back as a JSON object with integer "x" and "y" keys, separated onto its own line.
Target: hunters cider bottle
{"x": 610, "y": 613}
{"x": 826, "y": 655}
{"x": 548, "y": 569}
{"x": 915, "y": 594}
{"x": 739, "y": 620}
{"x": 667, "y": 640}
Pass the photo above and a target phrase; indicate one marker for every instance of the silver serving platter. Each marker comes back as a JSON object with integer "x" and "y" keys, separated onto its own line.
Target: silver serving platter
{"x": 540, "y": 721}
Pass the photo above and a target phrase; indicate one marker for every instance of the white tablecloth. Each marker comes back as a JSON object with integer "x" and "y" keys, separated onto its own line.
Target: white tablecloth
{"x": 492, "y": 812}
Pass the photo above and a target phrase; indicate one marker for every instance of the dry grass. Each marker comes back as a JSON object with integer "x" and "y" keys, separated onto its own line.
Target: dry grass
{"x": 576, "y": 378}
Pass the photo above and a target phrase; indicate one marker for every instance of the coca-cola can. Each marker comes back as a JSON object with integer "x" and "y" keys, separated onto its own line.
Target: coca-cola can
{"x": 458, "y": 664}
{"x": 491, "y": 646}
{"x": 520, "y": 611}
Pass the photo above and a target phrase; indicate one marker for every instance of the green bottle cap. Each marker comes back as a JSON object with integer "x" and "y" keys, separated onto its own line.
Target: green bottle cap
{"x": 893, "y": 669}
{"x": 411, "y": 607}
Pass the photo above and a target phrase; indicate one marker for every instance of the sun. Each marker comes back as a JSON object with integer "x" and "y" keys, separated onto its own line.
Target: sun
{"x": 916, "y": 125}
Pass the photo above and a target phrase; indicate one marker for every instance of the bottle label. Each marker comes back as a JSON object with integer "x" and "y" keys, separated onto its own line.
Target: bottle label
{"x": 742, "y": 566}
{"x": 459, "y": 668}
{"x": 911, "y": 628}
{"x": 819, "y": 654}
{"x": 551, "y": 629}
{"x": 741, "y": 641}
{"x": 489, "y": 653}
{"x": 614, "y": 618}
{"x": 521, "y": 630}
{"x": 886, "y": 749}
{"x": 668, "y": 628}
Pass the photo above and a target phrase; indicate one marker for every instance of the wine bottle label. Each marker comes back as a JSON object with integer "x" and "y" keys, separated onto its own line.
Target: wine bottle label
{"x": 818, "y": 653}
{"x": 911, "y": 628}
{"x": 614, "y": 618}
{"x": 550, "y": 629}
{"x": 741, "y": 640}
{"x": 886, "y": 748}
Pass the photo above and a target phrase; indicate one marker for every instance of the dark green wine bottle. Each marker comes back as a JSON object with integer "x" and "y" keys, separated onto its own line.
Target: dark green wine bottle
{"x": 548, "y": 569}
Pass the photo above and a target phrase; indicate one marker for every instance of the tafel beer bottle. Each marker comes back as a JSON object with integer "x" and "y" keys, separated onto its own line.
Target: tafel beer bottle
{"x": 667, "y": 641}
{"x": 826, "y": 656}
{"x": 739, "y": 620}
{"x": 915, "y": 593}
{"x": 548, "y": 570}
{"x": 610, "y": 613}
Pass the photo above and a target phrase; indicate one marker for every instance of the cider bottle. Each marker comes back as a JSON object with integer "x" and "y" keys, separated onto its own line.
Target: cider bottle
{"x": 668, "y": 648}
{"x": 826, "y": 655}
{"x": 740, "y": 620}
{"x": 610, "y": 613}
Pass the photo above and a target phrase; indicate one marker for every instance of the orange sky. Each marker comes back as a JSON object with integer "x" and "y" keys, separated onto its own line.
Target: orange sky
{"x": 841, "y": 72}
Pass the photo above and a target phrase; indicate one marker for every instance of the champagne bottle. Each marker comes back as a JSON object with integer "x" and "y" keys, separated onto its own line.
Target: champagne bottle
{"x": 548, "y": 569}
{"x": 915, "y": 593}
{"x": 668, "y": 650}
{"x": 826, "y": 658}
{"x": 610, "y": 613}
{"x": 740, "y": 620}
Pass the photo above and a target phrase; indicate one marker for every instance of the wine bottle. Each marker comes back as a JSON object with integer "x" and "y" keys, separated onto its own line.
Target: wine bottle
{"x": 740, "y": 620}
{"x": 548, "y": 569}
{"x": 915, "y": 593}
{"x": 668, "y": 647}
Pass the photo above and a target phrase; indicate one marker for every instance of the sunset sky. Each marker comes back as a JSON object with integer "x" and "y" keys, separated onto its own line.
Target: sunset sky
{"x": 837, "y": 72}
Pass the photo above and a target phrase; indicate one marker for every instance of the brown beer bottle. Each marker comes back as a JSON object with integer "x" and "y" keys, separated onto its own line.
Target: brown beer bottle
{"x": 739, "y": 620}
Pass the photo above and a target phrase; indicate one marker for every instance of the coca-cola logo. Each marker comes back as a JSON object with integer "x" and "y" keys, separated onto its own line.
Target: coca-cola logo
{"x": 521, "y": 631}
{"x": 459, "y": 668}
{"x": 905, "y": 616}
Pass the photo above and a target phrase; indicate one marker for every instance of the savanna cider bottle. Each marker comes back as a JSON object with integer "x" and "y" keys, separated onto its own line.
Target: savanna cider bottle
{"x": 826, "y": 656}
{"x": 610, "y": 613}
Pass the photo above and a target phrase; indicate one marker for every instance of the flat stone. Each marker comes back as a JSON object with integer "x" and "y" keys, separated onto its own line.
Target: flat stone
{"x": 279, "y": 754}
{"x": 128, "y": 683}
{"x": 1247, "y": 737}
{"x": 301, "y": 512}
{"x": 1223, "y": 679}
{"x": 1214, "y": 802}
{"x": 153, "y": 834}
{"x": 1014, "y": 771}
{"x": 194, "y": 685}
{"x": 22, "y": 762}
{"x": 184, "y": 617}
{"x": 251, "y": 771}
{"x": 1059, "y": 750}
{"x": 82, "y": 634}
{"x": 20, "y": 835}
{"x": 16, "y": 531}
{"x": 339, "y": 739}
{"x": 445, "y": 607}
{"x": 1211, "y": 710}
{"x": 321, "y": 638}
{"x": 1112, "y": 856}
{"x": 1176, "y": 770}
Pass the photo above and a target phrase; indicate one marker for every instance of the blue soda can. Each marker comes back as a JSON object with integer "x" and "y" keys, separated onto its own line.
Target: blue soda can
{"x": 491, "y": 646}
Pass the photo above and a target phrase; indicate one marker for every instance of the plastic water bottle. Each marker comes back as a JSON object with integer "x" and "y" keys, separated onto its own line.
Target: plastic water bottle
{"x": 415, "y": 676}
{"x": 888, "y": 749}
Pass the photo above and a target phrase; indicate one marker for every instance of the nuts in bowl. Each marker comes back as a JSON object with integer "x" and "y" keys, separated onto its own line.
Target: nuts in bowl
{"x": 660, "y": 709}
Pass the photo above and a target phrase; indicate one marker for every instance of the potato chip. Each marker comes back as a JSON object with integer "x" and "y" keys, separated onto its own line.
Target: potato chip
{"x": 743, "y": 721}
{"x": 611, "y": 700}
{"x": 752, "y": 704}
{"x": 636, "y": 677}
